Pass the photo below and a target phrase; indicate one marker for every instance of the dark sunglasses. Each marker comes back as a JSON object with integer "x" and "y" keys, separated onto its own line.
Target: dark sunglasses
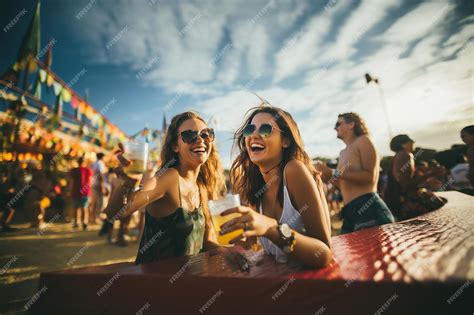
{"x": 337, "y": 124}
{"x": 191, "y": 136}
{"x": 265, "y": 130}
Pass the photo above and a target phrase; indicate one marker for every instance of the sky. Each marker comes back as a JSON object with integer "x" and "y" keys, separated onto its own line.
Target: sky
{"x": 145, "y": 58}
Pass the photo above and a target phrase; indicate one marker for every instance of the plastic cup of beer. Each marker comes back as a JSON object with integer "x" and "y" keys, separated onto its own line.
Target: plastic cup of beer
{"x": 137, "y": 153}
{"x": 216, "y": 207}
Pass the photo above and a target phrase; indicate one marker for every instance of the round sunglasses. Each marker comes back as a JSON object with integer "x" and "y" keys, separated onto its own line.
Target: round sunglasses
{"x": 191, "y": 136}
{"x": 265, "y": 130}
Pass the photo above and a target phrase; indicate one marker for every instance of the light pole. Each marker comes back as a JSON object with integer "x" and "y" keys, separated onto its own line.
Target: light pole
{"x": 369, "y": 79}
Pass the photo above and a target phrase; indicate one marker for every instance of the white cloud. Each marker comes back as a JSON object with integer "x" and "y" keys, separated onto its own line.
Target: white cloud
{"x": 423, "y": 60}
{"x": 300, "y": 49}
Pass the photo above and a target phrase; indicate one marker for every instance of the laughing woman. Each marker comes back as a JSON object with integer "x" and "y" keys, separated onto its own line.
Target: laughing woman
{"x": 274, "y": 176}
{"x": 176, "y": 218}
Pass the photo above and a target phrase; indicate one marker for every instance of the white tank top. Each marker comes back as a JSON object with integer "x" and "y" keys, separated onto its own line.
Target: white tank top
{"x": 290, "y": 216}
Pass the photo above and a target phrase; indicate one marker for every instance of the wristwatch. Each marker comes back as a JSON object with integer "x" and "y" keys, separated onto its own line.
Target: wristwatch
{"x": 336, "y": 173}
{"x": 287, "y": 238}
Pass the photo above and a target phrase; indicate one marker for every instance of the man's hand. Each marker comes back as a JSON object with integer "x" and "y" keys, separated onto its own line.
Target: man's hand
{"x": 324, "y": 169}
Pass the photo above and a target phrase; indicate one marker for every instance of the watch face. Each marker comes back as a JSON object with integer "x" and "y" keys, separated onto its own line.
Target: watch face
{"x": 285, "y": 230}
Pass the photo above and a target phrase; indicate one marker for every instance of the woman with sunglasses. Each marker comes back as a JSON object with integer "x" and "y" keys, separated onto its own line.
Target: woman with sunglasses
{"x": 286, "y": 209}
{"x": 176, "y": 219}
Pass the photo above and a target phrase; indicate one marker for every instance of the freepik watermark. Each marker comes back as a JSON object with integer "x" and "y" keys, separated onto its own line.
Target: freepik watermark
{"x": 15, "y": 20}
{"x": 145, "y": 307}
{"x": 220, "y": 54}
{"x": 458, "y": 292}
{"x": 84, "y": 10}
{"x": 18, "y": 195}
{"x": 210, "y": 301}
{"x": 8, "y": 265}
{"x": 108, "y": 284}
{"x": 34, "y": 298}
{"x": 263, "y": 11}
{"x": 106, "y": 107}
{"x": 43, "y": 229}
{"x": 76, "y": 77}
{"x": 116, "y": 38}
{"x": 190, "y": 24}
{"x": 283, "y": 288}
{"x": 150, "y": 242}
{"x": 173, "y": 101}
{"x": 77, "y": 255}
{"x": 180, "y": 271}
{"x": 265, "y": 187}
{"x": 43, "y": 51}
{"x": 386, "y": 305}
{"x": 146, "y": 68}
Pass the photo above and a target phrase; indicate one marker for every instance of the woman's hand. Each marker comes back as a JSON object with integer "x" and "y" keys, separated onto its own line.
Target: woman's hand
{"x": 124, "y": 162}
{"x": 253, "y": 223}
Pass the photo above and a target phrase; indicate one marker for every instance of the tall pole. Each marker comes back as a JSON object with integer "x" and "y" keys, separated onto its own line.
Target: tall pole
{"x": 369, "y": 79}
{"x": 384, "y": 106}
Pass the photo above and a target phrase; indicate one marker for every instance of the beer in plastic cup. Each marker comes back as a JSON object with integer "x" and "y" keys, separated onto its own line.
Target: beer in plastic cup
{"x": 216, "y": 207}
{"x": 137, "y": 153}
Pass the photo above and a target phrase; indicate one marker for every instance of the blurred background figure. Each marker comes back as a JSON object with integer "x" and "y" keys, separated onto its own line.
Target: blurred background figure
{"x": 467, "y": 136}
{"x": 36, "y": 196}
{"x": 405, "y": 194}
{"x": 79, "y": 190}
{"x": 98, "y": 188}
{"x": 459, "y": 176}
{"x": 7, "y": 195}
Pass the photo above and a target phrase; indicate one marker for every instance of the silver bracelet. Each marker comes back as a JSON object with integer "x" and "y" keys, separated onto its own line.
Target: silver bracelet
{"x": 129, "y": 191}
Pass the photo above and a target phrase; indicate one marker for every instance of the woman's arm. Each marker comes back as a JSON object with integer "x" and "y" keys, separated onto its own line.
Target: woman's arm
{"x": 154, "y": 188}
{"x": 312, "y": 249}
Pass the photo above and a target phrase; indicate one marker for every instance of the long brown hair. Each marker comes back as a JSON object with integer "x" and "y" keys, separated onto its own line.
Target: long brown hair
{"x": 360, "y": 127}
{"x": 211, "y": 174}
{"x": 246, "y": 177}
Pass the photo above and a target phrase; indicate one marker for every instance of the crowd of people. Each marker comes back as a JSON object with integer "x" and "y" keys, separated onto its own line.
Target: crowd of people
{"x": 287, "y": 199}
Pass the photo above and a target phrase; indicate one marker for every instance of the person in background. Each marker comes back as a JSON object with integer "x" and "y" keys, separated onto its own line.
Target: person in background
{"x": 107, "y": 227}
{"x": 7, "y": 195}
{"x": 459, "y": 175}
{"x": 467, "y": 136}
{"x": 36, "y": 196}
{"x": 403, "y": 194}
{"x": 79, "y": 190}
{"x": 439, "y": 178}
{"x": 98, "y": 188}
{"x": 357, "y": 175}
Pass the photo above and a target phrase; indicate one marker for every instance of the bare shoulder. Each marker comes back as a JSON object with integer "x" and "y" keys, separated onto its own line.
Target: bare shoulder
{"x": 296, "y": 172}
{"x": 165, "y": 178}
{"x": 364, "y": 140}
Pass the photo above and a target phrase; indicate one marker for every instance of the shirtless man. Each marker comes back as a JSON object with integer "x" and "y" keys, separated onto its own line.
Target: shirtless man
{"x": 357, "y": 175}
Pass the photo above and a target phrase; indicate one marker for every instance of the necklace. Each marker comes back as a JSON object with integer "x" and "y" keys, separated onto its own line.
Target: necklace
{"x": 271, "y": 169}
{"x": 195, "y": 198}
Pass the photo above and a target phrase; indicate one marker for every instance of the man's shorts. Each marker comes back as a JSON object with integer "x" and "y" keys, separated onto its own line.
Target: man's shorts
{"x": 365, "y": 211}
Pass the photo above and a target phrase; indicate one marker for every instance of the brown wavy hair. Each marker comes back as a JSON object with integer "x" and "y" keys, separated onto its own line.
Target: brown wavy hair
{"x": 359, "y": 124}
{"x": 245, "y": 176}
{"x": 211, "y": 175}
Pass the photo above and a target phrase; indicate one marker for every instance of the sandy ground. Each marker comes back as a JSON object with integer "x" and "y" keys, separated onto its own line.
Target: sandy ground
{"x": 26, "y": 253}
